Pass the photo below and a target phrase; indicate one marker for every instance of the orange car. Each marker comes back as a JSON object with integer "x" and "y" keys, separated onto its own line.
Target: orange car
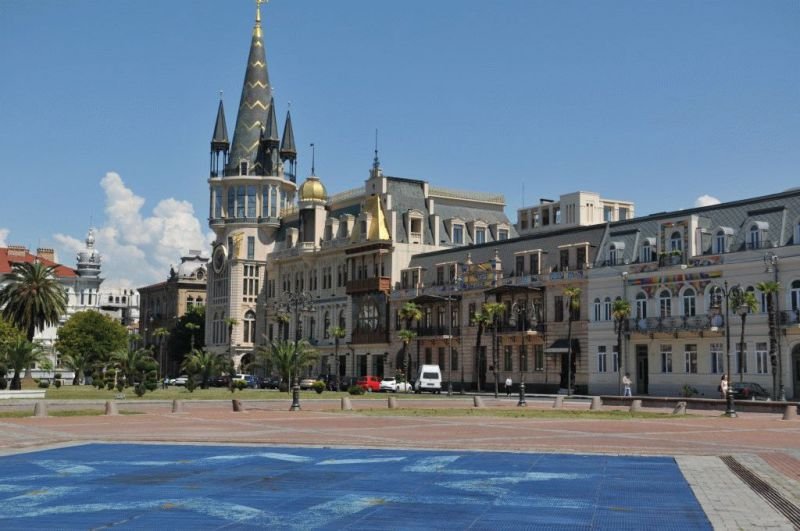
{"x": 369, "y": 383}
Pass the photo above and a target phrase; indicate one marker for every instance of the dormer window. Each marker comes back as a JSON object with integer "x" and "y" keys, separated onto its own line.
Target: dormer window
{"x": 758, "y": 235}
{"x": 502, "y": 234}
{"x": 676, "y": 242}
{"x": 722, "y": 238}
{"x": 615, "y": 253}
{"x": 648, "y": 250}
{"x": 480, "y": 235}
{"x": 458, "y": 234}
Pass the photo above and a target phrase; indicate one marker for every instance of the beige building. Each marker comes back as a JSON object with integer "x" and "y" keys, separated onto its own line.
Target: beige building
{"x": 577, "y": 209}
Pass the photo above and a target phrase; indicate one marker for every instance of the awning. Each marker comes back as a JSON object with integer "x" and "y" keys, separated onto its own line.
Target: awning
{"x": 560, "y": 345}
{"x": 432, "y": 299}
{"x": 512, "y": 289}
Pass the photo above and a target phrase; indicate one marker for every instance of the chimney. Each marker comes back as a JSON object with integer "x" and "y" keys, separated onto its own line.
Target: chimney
{"x": 46, "y": 254}
{"x": 17, "y": 251}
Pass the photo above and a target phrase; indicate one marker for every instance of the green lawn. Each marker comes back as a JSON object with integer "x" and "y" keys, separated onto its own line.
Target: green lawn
{"x": 87, "y": 392}
{"x": 515, "y": 413}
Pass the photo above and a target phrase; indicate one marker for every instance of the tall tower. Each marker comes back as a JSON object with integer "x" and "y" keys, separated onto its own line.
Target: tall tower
{"x": 249, "y": 193}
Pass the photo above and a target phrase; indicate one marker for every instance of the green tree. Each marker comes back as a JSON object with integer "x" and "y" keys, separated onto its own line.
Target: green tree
{"x": 127, "y": 363}
{"x": 161, "y": 334}
{"x": 493, "y": 312}
{"x": 32, "y": 297}
{"x": 20, "y": 355}
{"x": 90, "y": 338}
{"x": 78, "y": 363}
{"x": 287, "y": 357}
{"x": 771, "y": 289}
{"x": 410, "y": 313}
{"x": 204, "y": 363}
{"x": 337, "y": 332}
{"x": 573, "y": 294}
{"x": 188, "y": 334}
{"x": 743, "y": 302}
{"x": 620, "y": 311}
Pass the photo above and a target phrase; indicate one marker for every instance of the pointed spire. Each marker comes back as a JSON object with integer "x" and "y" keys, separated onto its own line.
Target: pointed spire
{"x": 271, "y": 128}
{"x": 219, "y": 141}
{"x": 253, "y": 105}
{"x": 288, "y": 149}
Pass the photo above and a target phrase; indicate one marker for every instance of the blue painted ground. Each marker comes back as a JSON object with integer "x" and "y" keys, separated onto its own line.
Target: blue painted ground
{"x": 127, "y": 486}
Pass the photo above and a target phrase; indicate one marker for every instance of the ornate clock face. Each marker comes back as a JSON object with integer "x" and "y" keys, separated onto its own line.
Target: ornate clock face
{"x": 220, "y": 255}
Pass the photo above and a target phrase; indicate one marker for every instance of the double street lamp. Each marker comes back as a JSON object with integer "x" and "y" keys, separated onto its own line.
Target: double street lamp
{"x": 730, "y": 410}
{"x": 771, "y": 261}
{"x": 295, "y": 304}
{"x": 522, "y": 310}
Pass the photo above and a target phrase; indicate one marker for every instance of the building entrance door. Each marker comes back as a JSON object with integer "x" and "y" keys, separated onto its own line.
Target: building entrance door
{"x": 642, "y": 370}
{"x": 796, "y": 372}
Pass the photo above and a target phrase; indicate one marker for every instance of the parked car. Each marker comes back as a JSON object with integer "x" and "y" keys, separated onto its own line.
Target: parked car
{"x": 404, "y": 387}
{"x": 749, "y": 391}
{"x": 307, "y": 383}
{"x": 272, "y": 382}
{"x": 429, "y": 378}
{"x": 388, "y": 385}
{"x": 180, "y": 380}
{"x": 220, "y": 381}
{"x": 369, "y": 383}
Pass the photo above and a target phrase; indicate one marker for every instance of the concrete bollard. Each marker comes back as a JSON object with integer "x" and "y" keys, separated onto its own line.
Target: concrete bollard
{"x": 478, "y": 402}
{"x": 559, "y": 402}
{"x": 346, "y": 405}
{"x": 177, "y": 406}
{"x": 237, "y": 405}
{"x": 680, "y": 409}
{"x": 111, "y": 408}
{"x": 597, "y": 403}
{"x": 790, "y": 413}
{"x": 40, "y": 409}
{"x": 636, "y": 405}
{"x": 392, "y": 402}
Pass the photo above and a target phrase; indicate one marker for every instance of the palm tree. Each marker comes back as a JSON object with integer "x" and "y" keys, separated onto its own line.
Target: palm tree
{"x": 493, "y": 311}
{"x": 482, "y": 321}
{"x": 20, "y": 355}
{"x": 127, "y": 361}
{"x": 744, "y": 302}
{"x": 78, "y": 363}
{"x": 406, "y": 336}
{"x": 161, "y": 334}
{"x": 286, "y": 356}
{"x": 620, "y": 311}
{"x": 203, "y": 362}
{"x": 409, "y": 313}
{"x": 338, "y": 333}
{"x": 32, "y": 298}
{"x": 771, "y": 289}
{"x": 573, "y": 294}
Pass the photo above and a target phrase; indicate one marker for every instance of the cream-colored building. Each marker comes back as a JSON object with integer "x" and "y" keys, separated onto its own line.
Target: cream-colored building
{"x": 571, "y": 210}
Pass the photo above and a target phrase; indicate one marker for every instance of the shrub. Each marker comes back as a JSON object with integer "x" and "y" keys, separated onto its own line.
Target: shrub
{"x": 120, "y": 386}
{"x": 191, "y": 384}
{"x": 140, "y": 389}
{"x": 3, "y": 383}
{"x": 355, "y": 390}
{"x": 318, "y": 386}
{"x": 44, "y": 384}
{"x": 58, "y": 376}
{"x": 688, "y": 391}
{"x": 241, "y": 385}
{"x": 57, "y": 384}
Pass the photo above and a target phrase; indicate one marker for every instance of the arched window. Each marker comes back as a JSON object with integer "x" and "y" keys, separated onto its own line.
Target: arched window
{"x": 189, "y": 302}
{"x": 342, "y": 320}
{"x": 795, "y": 295}
{"x": 647, "y": 253}
{"x": 613, "y": 254}
{"x": 714, "y": 297}
{"x": 199, "y": 301}
{"x": 326, "y": 323}
{"x": 665, "y": 303}
{"x": 676, "y": 242}
{"x": 689, "y": 308}
{"x": 607, "y": 309}
{"x": 720, "y": 244}
{"x": 249, "y": 327}
{"x": 641, "y": 306}
{"x": 596, "y": 309}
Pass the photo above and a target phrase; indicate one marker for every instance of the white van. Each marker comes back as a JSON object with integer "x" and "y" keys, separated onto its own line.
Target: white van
{"x": 429, "y": 378}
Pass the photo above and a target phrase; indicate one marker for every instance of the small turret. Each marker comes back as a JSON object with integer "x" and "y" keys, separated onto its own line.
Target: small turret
{"x": 89, "y": 258}
{"x": 288, "y": 150}
{"x": 219, "y": 142}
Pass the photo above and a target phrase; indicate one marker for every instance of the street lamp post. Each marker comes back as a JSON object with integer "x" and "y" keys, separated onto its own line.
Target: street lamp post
{"x": 523, "y": 310}
{"x": 771, "y": 260}
{"x": 295, "y": 304}
{"x": 730, "y": 410}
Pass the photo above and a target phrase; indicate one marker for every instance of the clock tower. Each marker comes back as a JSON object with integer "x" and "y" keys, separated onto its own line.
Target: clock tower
{"x": 252, "y": 184}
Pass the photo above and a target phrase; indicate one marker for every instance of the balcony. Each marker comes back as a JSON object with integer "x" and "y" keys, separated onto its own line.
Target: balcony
{"x": 371, "y": 284}
{"x": 676, "y": 324}
{"x": 790, "y": 319}
{"x": 506, "y": 328}
{"x": 368, "y": 337}
{"x": 438, "y": 331}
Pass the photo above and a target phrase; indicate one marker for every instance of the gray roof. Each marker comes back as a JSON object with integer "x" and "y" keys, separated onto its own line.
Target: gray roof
{"x": 407, "y": 194}
{"x": 288, "y": 149}
{"x": 220, "y": 136}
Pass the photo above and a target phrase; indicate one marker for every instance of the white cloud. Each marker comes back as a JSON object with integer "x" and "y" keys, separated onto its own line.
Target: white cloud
{"x": 137, "y": 249}
{"x": 706, "y": 200}
{"x": 3, "y": 235}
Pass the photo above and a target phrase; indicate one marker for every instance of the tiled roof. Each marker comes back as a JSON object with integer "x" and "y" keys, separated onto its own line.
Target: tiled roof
{"x": 7, "y": 261}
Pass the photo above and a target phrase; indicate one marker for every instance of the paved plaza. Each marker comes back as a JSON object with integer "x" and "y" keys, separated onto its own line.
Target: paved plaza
{"x": 209, "y": 467}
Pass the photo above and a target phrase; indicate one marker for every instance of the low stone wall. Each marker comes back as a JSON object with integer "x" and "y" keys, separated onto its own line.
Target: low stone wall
{"x": 753, "y": 406}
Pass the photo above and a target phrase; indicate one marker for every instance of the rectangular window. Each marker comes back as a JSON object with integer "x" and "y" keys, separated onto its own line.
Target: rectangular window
{"x": 458, "y": 234}
{"x": 251, "y": 247}
{"x": 580, "y": 257}
{"x": 614, "y": 359}
{"x": 761, "y": 358}
{"x": 563, "y": 259}
{"x": 690, "y": 358}
{"x": 440, "y": 275}
{"x": 545, "y": 216}
{"x": 428, "y": 355}
{"x": 538, "y": 357}
{"x": 218, "y": 202}
{"x": 231, "y": 202}
{"x": 623, "y": 213}
{"x": 507, "y": 361}
{"x": 251, "y": 201}
{"x": 666, "y": 358}
{"x": 519, "y": 266}
{"x": 741, "y": 360}
{"x": 717, "y": 363}
{"x": 523, "y": 358}
{"x": 557, "y": 215}
{"x": 534, "y": 264}
{"x": 480, "y": 235}
{"x": 240, "y": 201}
{"x": 601, "y": 359}
{"x": 471, "y": 310}
{"x": 558, "y": 307}
{"x": 608, "y": 213}
{"x": 502, "y": 234}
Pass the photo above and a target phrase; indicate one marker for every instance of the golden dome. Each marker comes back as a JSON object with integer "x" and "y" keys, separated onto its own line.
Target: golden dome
{"x": 313, "y": 190}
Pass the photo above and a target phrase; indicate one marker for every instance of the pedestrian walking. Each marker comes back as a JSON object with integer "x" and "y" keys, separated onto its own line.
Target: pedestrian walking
{"x": 723, "y": 386}
{"x": 508, "y": 386}
{"x": 626, "y": 384}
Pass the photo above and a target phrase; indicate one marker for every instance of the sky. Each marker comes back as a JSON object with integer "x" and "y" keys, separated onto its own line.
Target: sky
{"x": 107, "y": 107}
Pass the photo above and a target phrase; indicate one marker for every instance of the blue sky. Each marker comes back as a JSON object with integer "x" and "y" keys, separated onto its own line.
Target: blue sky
{"x": 655, "y": 102}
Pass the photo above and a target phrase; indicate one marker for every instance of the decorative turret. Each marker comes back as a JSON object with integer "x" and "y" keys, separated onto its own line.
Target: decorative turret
{"x": 88, "y": 258}
{"x": 219, "y": 142}
{"x": 268, "y": 158}
{"x": 252, "y": 113}
{"x": 288, "y": 150}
